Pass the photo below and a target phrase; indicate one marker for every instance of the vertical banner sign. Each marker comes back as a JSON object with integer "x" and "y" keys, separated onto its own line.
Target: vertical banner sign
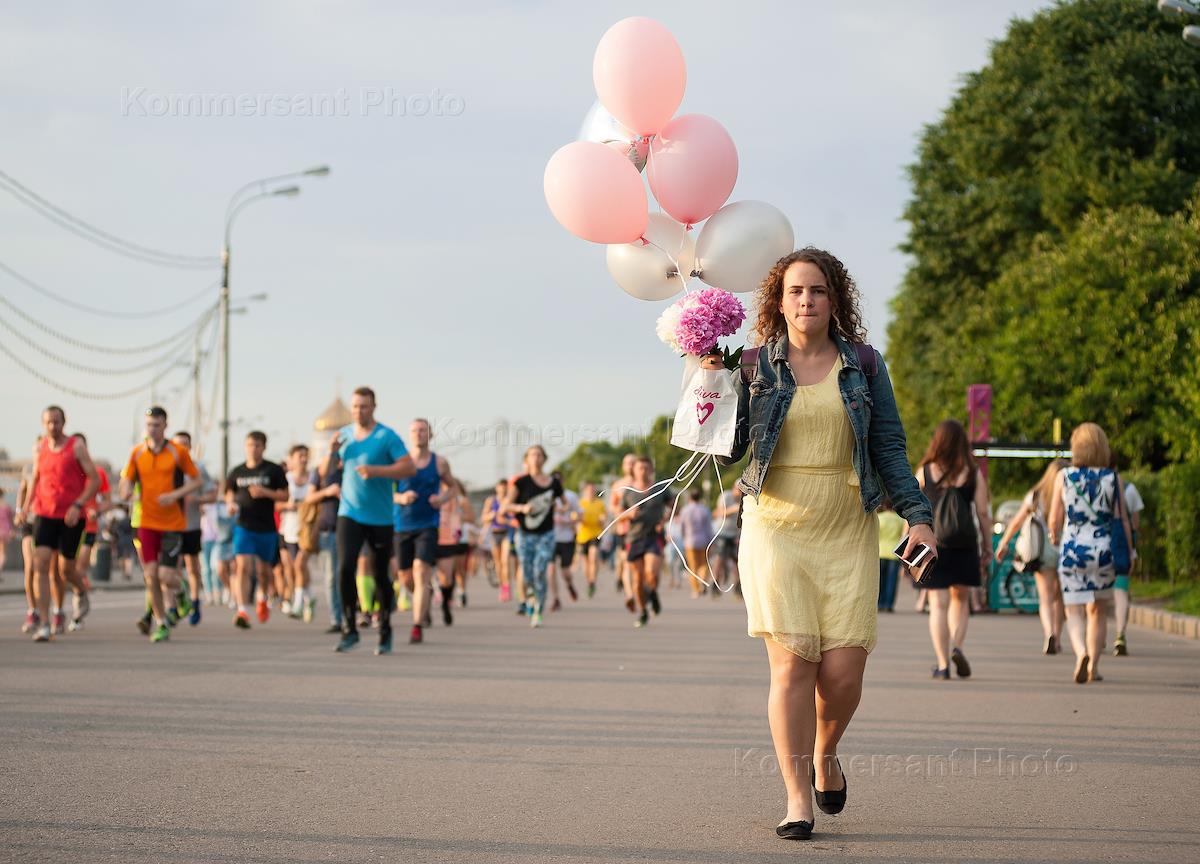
{"x": 979, "y": 413}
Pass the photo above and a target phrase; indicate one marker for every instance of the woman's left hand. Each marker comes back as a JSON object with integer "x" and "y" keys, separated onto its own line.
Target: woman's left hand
{"x": 918, "y": 534}
{"x": 712, "y": 362}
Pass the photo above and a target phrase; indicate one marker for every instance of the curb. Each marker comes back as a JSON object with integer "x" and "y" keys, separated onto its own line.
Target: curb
{"x": 1174, "y": 623}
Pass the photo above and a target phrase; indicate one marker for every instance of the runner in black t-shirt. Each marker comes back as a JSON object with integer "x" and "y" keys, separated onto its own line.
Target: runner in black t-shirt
{"x": 532, "y": 497}
{"x": 252, "y": 489}
{"x": 645, "y": 540}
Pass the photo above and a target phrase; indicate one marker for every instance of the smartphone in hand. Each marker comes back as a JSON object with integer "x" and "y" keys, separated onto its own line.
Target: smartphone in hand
{"x": 921, "y": 562}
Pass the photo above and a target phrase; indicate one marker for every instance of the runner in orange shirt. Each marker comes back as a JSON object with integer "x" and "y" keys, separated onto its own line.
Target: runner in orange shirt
{"x": 165, "y": 474}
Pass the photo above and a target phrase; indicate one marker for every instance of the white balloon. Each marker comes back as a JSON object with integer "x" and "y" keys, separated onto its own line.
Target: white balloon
{"x": 740, "y": 243}
{"x": 645, "y": 269}
{"x": 601, "y": 127}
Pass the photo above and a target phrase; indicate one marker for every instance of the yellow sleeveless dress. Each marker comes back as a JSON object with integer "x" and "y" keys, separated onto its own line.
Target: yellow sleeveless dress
{"x": 809, "y": 555}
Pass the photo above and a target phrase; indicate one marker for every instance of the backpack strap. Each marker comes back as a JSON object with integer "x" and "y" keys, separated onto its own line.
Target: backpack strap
{"x": 749, "y": 364}
{"x": 867, "y": 359}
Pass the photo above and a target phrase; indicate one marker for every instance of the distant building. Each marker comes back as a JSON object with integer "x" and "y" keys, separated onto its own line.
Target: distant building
{"x": 328, "y": 422}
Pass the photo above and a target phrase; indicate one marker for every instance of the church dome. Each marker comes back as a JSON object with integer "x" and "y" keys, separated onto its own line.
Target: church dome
{"x": 335, "y": 416}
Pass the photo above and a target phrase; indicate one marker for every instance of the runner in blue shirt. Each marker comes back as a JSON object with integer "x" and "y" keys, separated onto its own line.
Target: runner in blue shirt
{"x": 373, "y": 457}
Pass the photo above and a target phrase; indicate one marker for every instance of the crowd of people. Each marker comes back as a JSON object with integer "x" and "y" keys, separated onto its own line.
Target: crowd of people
{"x": 825, "y": 516}
{"x": 386, "y": 524}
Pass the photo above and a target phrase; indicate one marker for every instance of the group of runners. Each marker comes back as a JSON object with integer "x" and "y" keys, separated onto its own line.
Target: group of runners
{"x": 394, "y": 528}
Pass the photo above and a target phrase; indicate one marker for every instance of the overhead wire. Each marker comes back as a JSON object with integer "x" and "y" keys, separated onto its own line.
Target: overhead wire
{"x": 187, "y": 336}
{"x": 100, "y": 237}
{"x": 106, "y": 313}
{"x": 91, "y": 394}
{"x": 88, "y": 346}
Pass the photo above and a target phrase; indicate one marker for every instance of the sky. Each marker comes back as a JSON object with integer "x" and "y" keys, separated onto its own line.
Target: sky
{"x": 426, "y": 264}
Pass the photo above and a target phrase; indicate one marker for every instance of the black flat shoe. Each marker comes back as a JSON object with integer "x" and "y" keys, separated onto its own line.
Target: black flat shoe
{"x": 1051, "y": 645}
{"x": 795, "y": 830}
{"x": 943, "y": 673}
{"x": 961, "y": 667}
{"x": 831, "y": 802}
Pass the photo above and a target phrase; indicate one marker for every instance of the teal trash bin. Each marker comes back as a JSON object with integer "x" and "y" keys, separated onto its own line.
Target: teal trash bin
{"x": 102, "y": 562}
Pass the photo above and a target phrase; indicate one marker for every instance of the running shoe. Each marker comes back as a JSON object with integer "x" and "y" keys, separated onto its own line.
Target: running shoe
{"x": 655, "y": 606}
{"x": 32, "y": 620}
{"x": 1120, "y": 649}
{"x": 521, "y": 609}
{"x": 161, "y": 634}
{"x": 384, "y": 646}
{"x": 535, "y": 620}
{"x": 81, "y": 606}
{"x": 310, "y": 609}
{"x": 42, "y": 634}
{"x": 172, "y": 616}
{"x": 263, "y": 611}
{"x": 333, "y": 628}
{"x": 347, "y": 642}
{"x": 183, "y": 605}
{"x": 571, "y": 590}
{"x": 241, "y": 621}
{"x": 59, "y": 624}
{"x": 194, "y": 615}
{"x": 286, "y": 608}
{"x": 416, "y": 636}
{"x": 591, "y": 590}
{"x": 297, "y": 611}
{"x": 556, "y": 605}
{"x": 463, "y": 599}
{"x": 447, "y": 617}
{"x": 404, "y": 602}
{"x": 505, "y": 593}
{"x": 143, "y": 624}
{"x": 642, "y": 619}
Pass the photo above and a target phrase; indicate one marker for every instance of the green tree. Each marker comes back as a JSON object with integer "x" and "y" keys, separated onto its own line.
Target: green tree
{"x": 1101, "y": 327}
{"x": 1089, "y": 106}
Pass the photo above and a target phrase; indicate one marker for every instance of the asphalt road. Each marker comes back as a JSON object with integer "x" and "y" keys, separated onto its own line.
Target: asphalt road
{"x": 587, "y": 740}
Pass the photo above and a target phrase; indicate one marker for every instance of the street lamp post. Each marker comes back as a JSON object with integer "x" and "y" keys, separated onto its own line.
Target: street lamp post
{"x": 236, "y": 203}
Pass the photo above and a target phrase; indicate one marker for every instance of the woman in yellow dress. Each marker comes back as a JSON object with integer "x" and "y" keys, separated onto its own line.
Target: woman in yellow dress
{"x": 819, "y": 417}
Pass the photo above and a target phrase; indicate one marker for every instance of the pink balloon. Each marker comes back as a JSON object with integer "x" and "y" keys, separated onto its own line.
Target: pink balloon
{"x": 596, "y": 193}
{"x": 639, "y": 74}
{"x": 692, "y": 168}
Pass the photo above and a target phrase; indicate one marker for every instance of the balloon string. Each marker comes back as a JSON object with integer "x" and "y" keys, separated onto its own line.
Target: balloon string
{"x": 716, "y": 586}
{"x": 674, "y": 259}
{"x": 658, "y": 489}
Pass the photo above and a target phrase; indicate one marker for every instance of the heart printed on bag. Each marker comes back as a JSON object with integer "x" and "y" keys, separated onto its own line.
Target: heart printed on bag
{"x": 703, "y": 412}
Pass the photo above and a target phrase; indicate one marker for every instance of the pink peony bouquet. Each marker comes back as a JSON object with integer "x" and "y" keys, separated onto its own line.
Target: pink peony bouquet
{"x": 695, "y": 323}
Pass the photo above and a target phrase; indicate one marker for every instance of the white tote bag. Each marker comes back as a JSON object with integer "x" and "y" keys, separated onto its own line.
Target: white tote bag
{"x": 706, "y": 419}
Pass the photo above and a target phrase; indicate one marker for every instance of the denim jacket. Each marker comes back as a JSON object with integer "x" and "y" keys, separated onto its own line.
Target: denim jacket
{"x": 880, "y": 454}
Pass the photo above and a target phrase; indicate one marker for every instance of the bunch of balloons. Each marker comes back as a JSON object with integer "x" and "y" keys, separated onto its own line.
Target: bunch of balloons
{"x": 594, "y": 185}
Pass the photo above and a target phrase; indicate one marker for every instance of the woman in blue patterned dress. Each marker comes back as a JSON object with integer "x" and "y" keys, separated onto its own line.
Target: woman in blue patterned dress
{"x": 1081, "y": 521}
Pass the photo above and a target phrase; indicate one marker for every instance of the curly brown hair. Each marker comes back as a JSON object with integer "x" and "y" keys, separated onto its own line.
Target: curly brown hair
{"x": 846, "y": 320}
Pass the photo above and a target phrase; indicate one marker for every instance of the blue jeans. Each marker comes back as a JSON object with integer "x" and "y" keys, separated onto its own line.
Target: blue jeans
{"x": 208, "y": 573}
{"x": 535, "y": 552}
{"x": 328, "y": 541}
{"x": 889, "y": 575}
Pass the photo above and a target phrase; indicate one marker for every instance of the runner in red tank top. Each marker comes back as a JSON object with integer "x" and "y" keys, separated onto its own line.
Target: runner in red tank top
{"x": 64, "y": 480}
